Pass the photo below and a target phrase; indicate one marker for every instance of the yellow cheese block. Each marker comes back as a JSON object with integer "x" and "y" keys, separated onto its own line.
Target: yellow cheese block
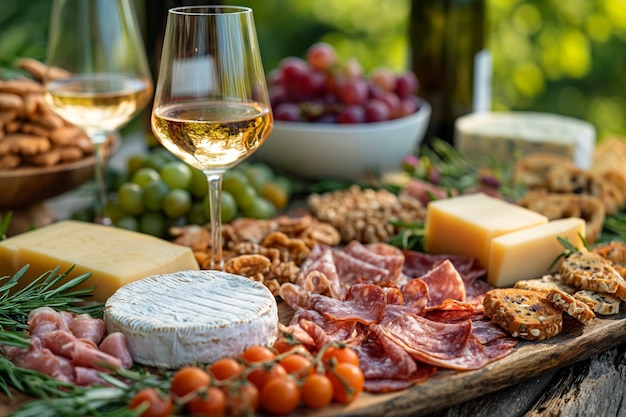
{"x": 465, "y": 225}
{"x": 529, "y": 253}
{"x": 114, "y": 256}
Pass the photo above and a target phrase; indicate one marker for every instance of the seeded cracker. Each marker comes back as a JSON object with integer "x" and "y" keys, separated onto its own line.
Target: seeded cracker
{"x": 545, "y": 284}
{"x": 589, "y": 271}
{"x": 572, "y": 306}
{"x": 603, "y": 304}
{"x": 523, "y": 313}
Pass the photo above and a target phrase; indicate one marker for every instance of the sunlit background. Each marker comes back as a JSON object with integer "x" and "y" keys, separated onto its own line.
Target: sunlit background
{"x": 565, "y": 57}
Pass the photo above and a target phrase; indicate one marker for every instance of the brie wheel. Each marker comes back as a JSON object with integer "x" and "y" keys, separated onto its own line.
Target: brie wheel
{"x": 192, "y": 317}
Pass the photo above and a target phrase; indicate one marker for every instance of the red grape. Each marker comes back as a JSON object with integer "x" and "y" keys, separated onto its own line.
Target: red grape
{"x": 321, "y": 56}
{"x": 351, "y": 114}
{"x": 351, "y": 91}
{"x": 406, "y": 84}
{"x": 383, "y": 78}
{"x": 288, "y": 112}
{"x": 292, "y": 69}
{"x": 376, "y": 111}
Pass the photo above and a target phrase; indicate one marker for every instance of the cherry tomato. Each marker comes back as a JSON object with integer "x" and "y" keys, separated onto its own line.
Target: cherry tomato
{"x": 156, "y": 404}
{"x": 340, "y": 355}
{"x": 280, "y": 396}
{"x": 283, "y": 344}
{"x": 189, "y": 379}
{"x": 225, "y": 368}
{"x": 317, "y": 391}
{"x": 243, "y": 400}
{"x": 296, "y": 364}
{"x": 267, "y": 372}
{"x": 257, "y": 353}
{"x": 347, "y": 380}
{"x": 211, "y": 403}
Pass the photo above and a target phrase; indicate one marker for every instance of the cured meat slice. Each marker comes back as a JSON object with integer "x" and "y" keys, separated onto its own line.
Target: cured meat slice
{"x": 416, "y": 294}
{"x": 488, "y": 331}
{"x": 88, "y": 376}
{"x": 444, "y": 282}
{"x": 39, "y": 358}
{"x": 393, "y": 295}
{"x": 380, "y": 358}
{"x": 323, "y": 264}
{"x": 377, "y": 386}
{"x": 84, "y": 354}
{"x": 86, "y": 327}
{"x": 60, "y": 342}
{"x": 45, "y": 319}
{"x": 453, "y": 311}
{"x": 364, "y": 303}
{"x": 344, "y": 331}
{"x": 352, "y": 270}
{"x": 293, "y": 295}
{"x": 429, "y": 341}
{"x": 382, "y": 255}
{"x": 298, "y": 333}
{"x": 114, "y": 344}
{"x": 318, "y": 334}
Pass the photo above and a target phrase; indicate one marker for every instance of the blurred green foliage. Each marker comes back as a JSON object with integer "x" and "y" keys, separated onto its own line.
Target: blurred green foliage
{"x": 566, "y": 57}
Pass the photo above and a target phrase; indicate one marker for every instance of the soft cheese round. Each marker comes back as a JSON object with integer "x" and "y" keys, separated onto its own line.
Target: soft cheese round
{"x": 191, "y": 317}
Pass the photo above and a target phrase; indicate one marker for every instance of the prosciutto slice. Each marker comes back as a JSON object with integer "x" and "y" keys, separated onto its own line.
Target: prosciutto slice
{"x": 86, "y": 327}
{"x": 114, "y": 344}
{"x": 45, "y": 319}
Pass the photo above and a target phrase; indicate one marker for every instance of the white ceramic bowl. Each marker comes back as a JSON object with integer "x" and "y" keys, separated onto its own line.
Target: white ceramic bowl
{"x": 343, "y": 151}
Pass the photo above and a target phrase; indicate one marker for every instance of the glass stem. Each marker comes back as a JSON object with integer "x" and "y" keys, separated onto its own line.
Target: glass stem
{"x": 215, "y": 207}
{"x": 101, "y": 198}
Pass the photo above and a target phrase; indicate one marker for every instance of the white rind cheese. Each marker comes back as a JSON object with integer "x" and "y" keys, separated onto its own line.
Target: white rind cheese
{"x": 505, "y": 136}
{"x": 191, "y": 317}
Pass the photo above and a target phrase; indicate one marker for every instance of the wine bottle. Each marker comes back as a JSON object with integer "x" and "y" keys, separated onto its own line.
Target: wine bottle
{"x": 449, "y": 55}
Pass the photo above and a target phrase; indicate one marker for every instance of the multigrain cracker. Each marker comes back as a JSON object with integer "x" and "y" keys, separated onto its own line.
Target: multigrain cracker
{"x": 571, "y": 305}
{"x": 545, "y": 283}
{"x": 603, "y": 304}
{"x": 590, "y": 271}
{"x": 523, "y": 313}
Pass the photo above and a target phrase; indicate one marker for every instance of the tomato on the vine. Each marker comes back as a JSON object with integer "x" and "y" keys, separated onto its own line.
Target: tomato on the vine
{"x": 225, "y": 368}
{"x": 280, "y": 396}
{"x": 297, "y": 364}
{"x": 189, "y": 379}
{"x": 266, "y": 373}
{"x": 340, "y": 355}
{"x": 347, "y": 380}
{"x": 156, "y": 404}
{"x": 211, "y": 403}
{"x": 284, "y": 344}
{"x": 258, "y": 353}
{"x": 317, "y": 391}
{"x": 242, "y": 400}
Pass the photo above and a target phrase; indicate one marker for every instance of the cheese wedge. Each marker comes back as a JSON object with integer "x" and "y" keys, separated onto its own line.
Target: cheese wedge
{"x": 192, "y": 317}
{"x": 465, "y": 225}
{"x": 114, "y": 256}
{"x": 529, "y": 253}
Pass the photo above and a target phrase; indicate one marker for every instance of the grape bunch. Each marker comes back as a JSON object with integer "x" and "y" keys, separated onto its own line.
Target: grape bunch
{"x": 320, "y": 89}
{"x": 159, "y": 191}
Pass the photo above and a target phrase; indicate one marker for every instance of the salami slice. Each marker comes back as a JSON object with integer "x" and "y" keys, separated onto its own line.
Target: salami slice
{"x": 379, "y": 254}
{"x": 444, "y": 282}
{"x": 429, "y": 341}
{"x": 364, "y": 303}
{"x": 324, "y": 264}
{"x": 343, "y": 331}
{"x": 353, "y": 270}
{"x": 380, "y": 358}
{"x": 416, "y": 294}
{"x": 422, "y": 373}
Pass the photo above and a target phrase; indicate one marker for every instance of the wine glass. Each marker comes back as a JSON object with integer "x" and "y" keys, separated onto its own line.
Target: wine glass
{"x": 107, "y": 81}
{"x": 211, "y": 106}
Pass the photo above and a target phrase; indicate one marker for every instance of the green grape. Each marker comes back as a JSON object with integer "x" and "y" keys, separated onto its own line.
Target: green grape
{"x": 229, "y": 207}
{"x": 159, "y": 157}
{"x": 152, "y": 223}
{"x": 245, "y": 198}
{"x": 258, "y": 175}
{"x": 261, "y": 209}
{"x": 234, "y": 181}
{"x": 176, "y": 203}
{"x": 128, "y": 223}
{"x": 196, "y": 213}
{"x": 145, "y": 175}
{"x": 198, "y": 186}
{"x": 176, "y": 174}
{"x": 113, "y": 211}
{"x": 130, "y": 198}
{"x": 136, "y": 161}
{"x": 275, "y": 194}
{"x": 284, "y": 183}
{"x": 154, "y": 193}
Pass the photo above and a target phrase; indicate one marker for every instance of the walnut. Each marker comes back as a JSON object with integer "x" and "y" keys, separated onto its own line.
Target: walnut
{"x": 290, "y": 248}
{"x": 365, "y": 214}
{"x": 272, "y": 285}
{"x": 284, "y": 271}
{"x": 251, "y": 266}
{"x": 196, "y": 237}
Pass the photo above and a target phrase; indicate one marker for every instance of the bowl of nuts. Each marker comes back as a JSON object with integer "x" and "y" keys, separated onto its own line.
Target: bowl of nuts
{"x": 334, "y": 121}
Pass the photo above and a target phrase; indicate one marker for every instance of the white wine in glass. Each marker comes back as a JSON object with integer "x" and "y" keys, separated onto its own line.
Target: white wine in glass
{"x": 99, "y": 46}
{"x": 211, "y": 106}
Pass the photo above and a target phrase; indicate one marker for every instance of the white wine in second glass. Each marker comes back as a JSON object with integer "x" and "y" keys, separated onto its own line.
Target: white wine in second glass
{"x": 105, "y": 79}
{"x": 211, "y": 106}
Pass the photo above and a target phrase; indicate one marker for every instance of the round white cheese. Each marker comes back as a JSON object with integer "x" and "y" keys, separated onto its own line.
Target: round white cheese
{"x": 192, "y": 317}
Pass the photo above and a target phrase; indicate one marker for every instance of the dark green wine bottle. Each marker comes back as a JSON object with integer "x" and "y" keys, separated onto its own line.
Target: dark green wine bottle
{"x": 449, "y": 55}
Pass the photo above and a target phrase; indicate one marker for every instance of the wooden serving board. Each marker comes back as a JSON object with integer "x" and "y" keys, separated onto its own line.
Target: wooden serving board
{"x": 447, "y": 388}
{"x": 529, "y": 359}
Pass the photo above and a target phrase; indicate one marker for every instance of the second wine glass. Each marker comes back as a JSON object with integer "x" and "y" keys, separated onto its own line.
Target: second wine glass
{"x": 211, "y": 106}
{"x": 105, "y": 79}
